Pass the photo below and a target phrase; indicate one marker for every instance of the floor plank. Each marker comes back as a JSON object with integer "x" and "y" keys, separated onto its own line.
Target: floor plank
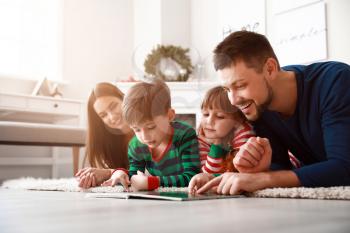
{"x": 38, "y": 211}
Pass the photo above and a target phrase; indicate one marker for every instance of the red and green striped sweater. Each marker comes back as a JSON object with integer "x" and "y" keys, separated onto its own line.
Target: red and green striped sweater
{"x": 212, "y": 156}
{"x": 177, "y": 166}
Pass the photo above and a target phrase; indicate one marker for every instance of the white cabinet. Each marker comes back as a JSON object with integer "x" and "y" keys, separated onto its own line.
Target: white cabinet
{"x": 41, "y": 110}
{"x": 54, "y": 106}
{"x": 12, "y": 102}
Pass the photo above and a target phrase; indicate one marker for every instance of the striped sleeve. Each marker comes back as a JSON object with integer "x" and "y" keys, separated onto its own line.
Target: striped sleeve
{"x": 294, "y": 160}
{"x": 189, "y": 161}
{"x": 211, "y": 157}
{"x": 136, "y": 161}
{"x": 242, "y": 134}
{"x": 204, "y": 149}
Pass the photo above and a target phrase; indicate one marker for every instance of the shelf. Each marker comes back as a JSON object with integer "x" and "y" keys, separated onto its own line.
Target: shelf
{"x": 46, "y": 112}
{"x": 38, "y": 109}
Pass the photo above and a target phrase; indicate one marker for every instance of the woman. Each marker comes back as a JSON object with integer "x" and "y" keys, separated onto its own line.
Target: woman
{"x": 108, "y": 136}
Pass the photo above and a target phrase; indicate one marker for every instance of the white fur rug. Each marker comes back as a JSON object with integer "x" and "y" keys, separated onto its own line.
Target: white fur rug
{"x": 71, "y": 185}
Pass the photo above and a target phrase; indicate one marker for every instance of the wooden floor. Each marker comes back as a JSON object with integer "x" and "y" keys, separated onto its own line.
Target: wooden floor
{"x": 63, "y": 212}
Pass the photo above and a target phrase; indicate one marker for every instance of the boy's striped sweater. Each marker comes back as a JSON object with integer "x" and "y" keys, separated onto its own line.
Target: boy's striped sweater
{"x": 177, "y": 166}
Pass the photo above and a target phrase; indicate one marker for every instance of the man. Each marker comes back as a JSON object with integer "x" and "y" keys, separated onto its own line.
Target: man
{"x": 303, "y": 110}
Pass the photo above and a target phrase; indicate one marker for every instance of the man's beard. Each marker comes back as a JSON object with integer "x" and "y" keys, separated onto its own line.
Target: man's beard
{"x": 262, "y": 107}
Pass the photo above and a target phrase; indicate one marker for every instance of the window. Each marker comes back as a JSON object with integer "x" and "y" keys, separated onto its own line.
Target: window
{"x": 31, "y": 38}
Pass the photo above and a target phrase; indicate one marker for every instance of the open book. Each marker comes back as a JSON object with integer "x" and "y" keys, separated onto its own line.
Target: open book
{"x": 161, "y": 195}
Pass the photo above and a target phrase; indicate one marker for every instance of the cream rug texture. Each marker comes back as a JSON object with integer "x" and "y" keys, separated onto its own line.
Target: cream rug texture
{"x": 71, "y": 185}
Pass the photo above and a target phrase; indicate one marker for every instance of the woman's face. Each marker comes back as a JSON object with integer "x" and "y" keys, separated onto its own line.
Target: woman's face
{"x": 108, "y": 108}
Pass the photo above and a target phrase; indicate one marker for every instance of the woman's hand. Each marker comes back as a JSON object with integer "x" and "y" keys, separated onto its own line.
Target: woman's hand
{"x": 117, "y": 177}
{"x": 90, "y": 177}
{"x": 139, "y": 182}
{"x": 198, "y": 181}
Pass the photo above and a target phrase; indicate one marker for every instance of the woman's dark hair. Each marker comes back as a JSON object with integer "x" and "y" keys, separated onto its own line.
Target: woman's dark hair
{"x": 105, "y": 147}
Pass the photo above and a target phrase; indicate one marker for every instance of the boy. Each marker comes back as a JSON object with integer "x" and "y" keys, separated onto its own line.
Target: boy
{"x": 167, "y": 149}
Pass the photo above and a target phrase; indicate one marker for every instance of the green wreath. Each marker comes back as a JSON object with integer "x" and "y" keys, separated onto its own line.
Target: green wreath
{"x": 176, "y": 54}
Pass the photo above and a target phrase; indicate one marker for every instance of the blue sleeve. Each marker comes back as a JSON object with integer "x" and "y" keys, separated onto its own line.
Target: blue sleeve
{"x": 280, "y": 157}
{"x": 335, "y": 122}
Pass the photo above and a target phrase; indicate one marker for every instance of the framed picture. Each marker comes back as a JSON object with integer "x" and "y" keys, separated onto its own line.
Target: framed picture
{"x": 299, "y": 34}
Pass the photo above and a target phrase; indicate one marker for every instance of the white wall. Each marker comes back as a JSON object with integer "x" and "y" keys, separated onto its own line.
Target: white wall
{"x": 338, "y": 18}
{"x": 147, "y": 22}
{"x": 204, "y": 31}
{"x": 175, "y": 24}
{"x": 98, "y": 43}
{"x": 159, "y": 22}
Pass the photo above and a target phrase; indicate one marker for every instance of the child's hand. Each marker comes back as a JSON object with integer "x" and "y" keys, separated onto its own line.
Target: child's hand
{"x": 139, "y": 182}
{"x": 118, "y": 176}
{"x": 198, "y": 181}
{"x": 253, "y": 156}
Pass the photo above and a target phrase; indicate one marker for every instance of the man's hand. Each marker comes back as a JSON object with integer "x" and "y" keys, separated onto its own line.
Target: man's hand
{"x": 118, "y": 176}
{"x": 254, "y": 156}
{"x": 198, "y": 181}
{"x": 236, "y": 183}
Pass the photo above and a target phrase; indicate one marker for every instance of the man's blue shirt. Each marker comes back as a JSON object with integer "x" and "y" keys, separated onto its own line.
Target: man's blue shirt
{"x": 318, "y": 133}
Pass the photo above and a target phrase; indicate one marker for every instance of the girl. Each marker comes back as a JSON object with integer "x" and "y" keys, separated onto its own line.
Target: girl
{"x": 108, "y": 136}
{"x": 223, "y": 129}
{"x": 223, "y": 133}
